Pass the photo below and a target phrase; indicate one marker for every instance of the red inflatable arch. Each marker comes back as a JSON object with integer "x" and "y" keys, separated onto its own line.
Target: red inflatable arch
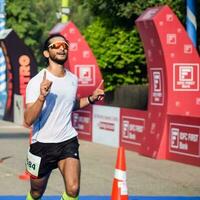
{"x": 172, "y": 128}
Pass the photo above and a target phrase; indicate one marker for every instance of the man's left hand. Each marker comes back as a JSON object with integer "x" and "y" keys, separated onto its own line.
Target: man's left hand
{"x": 98, "y": 94}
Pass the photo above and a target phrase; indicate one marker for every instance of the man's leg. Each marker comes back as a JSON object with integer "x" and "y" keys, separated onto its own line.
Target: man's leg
{"x": 38, "y": 186}
{"x": 70, "y": 170}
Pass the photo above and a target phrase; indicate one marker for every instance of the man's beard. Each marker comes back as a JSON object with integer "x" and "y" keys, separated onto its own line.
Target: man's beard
{"x": 59, "y": 61}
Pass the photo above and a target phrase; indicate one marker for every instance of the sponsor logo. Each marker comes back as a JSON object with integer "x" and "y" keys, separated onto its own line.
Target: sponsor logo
{"x": 81, "y": 121}
{"x": 86, "y": 74}
{"x": 157, "y": 97}
{"x": 132, "y": 129}
{"x": 169, "y": 18}
{"x": 184, "y": 139}
{"x": 185, "y": 77}
{"x": 86, "y": 54}
{"x": 73, "y": 46}
{"x": 157, "y": 81}
{"x": 108, "y": 126}
{"x": 187, "y": 48}
{"x": 171, "y": 39}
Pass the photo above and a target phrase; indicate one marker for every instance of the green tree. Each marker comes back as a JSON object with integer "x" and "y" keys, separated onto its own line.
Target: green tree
{"x": 32, "y": 21}
{"x": 81, "y": 14}
{"x": 123, "y": 13}
{"x": 121, "y": 61}
{"x": 113, "y": 37}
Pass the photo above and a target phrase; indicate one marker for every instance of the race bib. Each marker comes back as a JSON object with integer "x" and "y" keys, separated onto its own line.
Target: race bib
{"x": 33, "y": 164}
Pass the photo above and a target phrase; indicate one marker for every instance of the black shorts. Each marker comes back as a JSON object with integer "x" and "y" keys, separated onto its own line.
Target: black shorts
{"x": 52, "y": 153}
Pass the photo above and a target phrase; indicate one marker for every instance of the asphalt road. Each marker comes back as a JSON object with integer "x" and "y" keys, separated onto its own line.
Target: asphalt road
{"x": 145, "y": 176}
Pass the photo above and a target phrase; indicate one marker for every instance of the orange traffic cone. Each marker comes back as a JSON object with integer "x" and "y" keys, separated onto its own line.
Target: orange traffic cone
{"x": 24, "y": 176}
{"x": 119, "y": 189}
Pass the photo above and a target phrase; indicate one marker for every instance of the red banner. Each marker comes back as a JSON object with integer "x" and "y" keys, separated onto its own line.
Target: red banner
{"x": 132, "y": 127}
{"x": 173, "y": 67}
{"x": 82, "y": 122}
{"x": 184, "y": 139}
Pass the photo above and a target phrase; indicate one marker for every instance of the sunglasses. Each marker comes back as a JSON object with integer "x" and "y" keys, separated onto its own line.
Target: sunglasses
{"x": 57, "y": 45}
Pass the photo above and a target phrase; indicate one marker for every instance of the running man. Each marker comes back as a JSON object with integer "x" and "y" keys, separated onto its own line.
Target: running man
{"x": 50, "y": 100}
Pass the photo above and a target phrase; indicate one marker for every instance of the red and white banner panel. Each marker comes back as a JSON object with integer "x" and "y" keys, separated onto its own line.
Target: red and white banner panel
{"x": 174, "y": 84}
{"x": 105, "y": 127}
{"x": 132, "y": 126}
{"x": 82, "y": 122}
{"x": 183, "y": 139}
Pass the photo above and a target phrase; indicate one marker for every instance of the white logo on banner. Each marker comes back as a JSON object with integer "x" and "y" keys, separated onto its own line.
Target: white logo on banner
{"x": 186, "y": 73}
{"x": 187, "y": 48}
{"x": 73, "y": 46}
{"x": 106, "y": 126}
{"x": 157, "y": 97}
{"x": 171, "y": 38}
{"x": 157, "y": 81}
{"x": 175, "y": 138}
{"x": 86, "y": 74}
{"x": 185, "y": 77}
{"x": 86, "y": 54}
{"x": 179, "y": 30}
{"x": 72, "y": 31}
{"x": 169, "y": 18}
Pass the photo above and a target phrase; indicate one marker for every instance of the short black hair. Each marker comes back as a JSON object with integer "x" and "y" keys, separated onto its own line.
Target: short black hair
{"x": 47, "y": 43}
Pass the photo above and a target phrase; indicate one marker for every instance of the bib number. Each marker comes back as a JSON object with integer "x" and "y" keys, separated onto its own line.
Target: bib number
{"x": 33, "y": 164}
